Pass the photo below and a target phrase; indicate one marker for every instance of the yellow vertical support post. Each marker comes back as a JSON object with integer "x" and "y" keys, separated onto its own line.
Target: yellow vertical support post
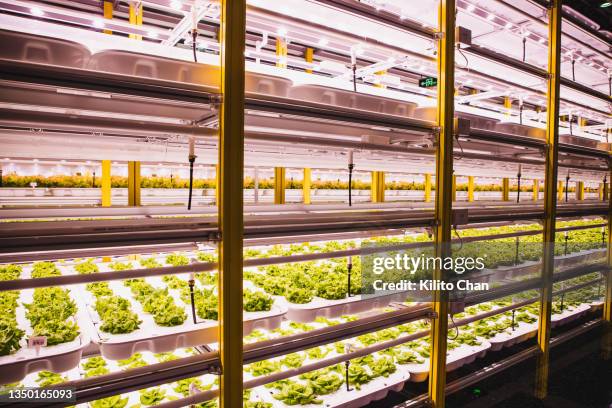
{"x": 443, "y": 201}
{"x": 600, "y": 192}
{"x": 230, "y": 212}
{"x": 550, "y": 196}
{"x": 217, "y": 183}
{"x": 536, "y": 190}
{"x": 309, "y": 57}
{"x": 454, "y": 188}
{"x": 505, "y": 189}
{"x": 508, "y": 106}
{"x": 580, "y": 190}
{"x": 134, "y": 183}
{"x": 607, "y": 311}
{"x": 279, "y": 185}
{"x": 560, "y": 191}
{"x": 471, "y": 189}
{"x": 306, "y": 182}
{"x": 382, "y": 186}
{"x": 606, "y": 341}
{"x": 281, "y": 52}
{"x": 427, "y": 188}
{"x": 374, "y": 186}
{"x": 108, "y": 13}
{"x": 135, "y": 17}
{"x": 105, "y": 183}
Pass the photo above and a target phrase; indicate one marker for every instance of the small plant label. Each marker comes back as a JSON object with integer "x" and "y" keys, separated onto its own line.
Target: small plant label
{"x": 37, "y": 342}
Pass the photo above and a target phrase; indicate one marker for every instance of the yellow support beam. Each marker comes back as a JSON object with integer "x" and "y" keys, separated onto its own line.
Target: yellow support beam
{"x": 607, "y": 311}
{"x": 108, "y": 13}
{"x": 279, "y": 185}
{"x": 560, "y": 191}
{"x": 281, "y": 52}
{"x": 550, "y": 196}
{"x": 536, "y": 190}
{"x": 105, "y": 183}
{"x": 427, "y": 188}
{"x": 507, "y": 106}
{"x": 134, "y": 183}
{"x": 600, "y": 191}
{"x": 306, "y": 183}
{"x": 505, "y": 189}
{"x": 470, "y": 189}
{"x": 377, "y": 187}
{"x": 135, "y": 17}
{"x": 444, "y": 199}
{"x": 454, "y": 188}
{"x": 580, "y": 190}
{"x": 217, "y": 183}
{"x": 309, "y": 57}
{"x": 230, "y": 213}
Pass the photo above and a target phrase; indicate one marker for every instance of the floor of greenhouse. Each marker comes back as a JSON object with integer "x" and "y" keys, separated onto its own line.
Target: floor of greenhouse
{"x": 579, "y": 378}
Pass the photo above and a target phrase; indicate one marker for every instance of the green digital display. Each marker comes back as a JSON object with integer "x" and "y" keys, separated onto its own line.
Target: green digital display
{"x": 428, "y": 82}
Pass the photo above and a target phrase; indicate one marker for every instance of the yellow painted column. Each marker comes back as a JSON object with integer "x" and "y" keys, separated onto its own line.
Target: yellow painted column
{"x": 134, "y": 183}
{"x": 550, "y": 196}
{"x": 306, "y": 185}
{"x": 281, "y": 52}
{"x": 279, "y": 185}
{"x": 560, "y": 191}
{"x": 444, "y": 198}
{"x": 454, "y": 188}
{"x": 108, "y": 13}
{"x": 470, "y": 189}
{"x": 135, "y": 17}
{"x": 105, "y": 183}
{"x": 382, "y": 186}
{"x": 600, "y": 191}
{"x": 536, "y": 190}
{"x": 427, "y": 188}
{"x": 231, "y": 197}
{"x": 508, "y": 106}
{"x": 580, "y": 190}
{"x": 309, "y": 57}
{"x": 505, "y": 189}
{"x": 374, "y": 186}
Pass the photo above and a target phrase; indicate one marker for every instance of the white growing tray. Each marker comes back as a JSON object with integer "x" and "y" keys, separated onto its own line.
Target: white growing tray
{"x": 158, "y": 339}
{"x": 319, "y": 307}
{"x": 522, "y": 331}
{"x": 375, "y": 390}
{"x": 57, "y": 358}
{"x": 455, "y": 359}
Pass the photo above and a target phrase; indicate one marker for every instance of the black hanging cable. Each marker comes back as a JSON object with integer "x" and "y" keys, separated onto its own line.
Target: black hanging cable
{"x": 567, "y": 179}
{"x": 355, "y": 77}
{"x": 521, "y": 112}
{"x": 455, "y": 326}
{"x": 194, "y": 37}
{"x": 93, "y": 182}
{"x": 570, "y": 119}
{"x": 518, "y": 191}
{"x": 351, "y": 166}
{"x": 524, "y": 48}
{"x": 192, "y": 297}
{"x": 349, "y": 268}
{"x": 192, "y": 158}
{"x": 573, "y": 69}
{"x": 610, "y": 85}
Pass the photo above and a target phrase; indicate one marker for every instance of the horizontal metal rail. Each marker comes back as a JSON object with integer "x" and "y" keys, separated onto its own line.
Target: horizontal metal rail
{"x": 195, "y": 267}
{"x": 21, "y": 238}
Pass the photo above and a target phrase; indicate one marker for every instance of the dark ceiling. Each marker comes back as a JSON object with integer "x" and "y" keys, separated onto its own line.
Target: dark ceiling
{"x": 593, "y": 10}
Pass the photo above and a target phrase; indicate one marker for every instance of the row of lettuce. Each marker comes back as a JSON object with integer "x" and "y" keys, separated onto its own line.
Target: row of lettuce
{"x": 89, "y": 181}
